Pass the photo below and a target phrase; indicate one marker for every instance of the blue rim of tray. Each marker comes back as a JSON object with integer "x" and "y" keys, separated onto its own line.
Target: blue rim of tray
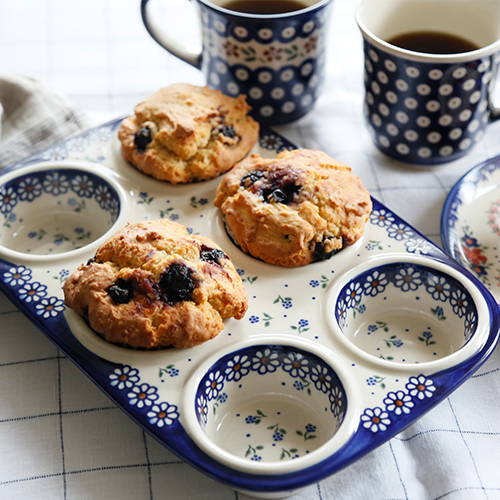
{"x": 178, "y": 441}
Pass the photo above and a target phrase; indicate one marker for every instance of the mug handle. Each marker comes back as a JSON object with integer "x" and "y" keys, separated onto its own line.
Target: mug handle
{"x": 166, "y": 41}
{"x": 494, "y": 114}
{"x": 494, "y": 110}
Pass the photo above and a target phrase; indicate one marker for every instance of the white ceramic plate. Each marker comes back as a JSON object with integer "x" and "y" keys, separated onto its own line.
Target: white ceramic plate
{"x": 470, "y": 223}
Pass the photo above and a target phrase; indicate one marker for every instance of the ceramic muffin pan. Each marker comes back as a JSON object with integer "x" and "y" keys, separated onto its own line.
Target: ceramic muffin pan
{"x": 331, "y": 360}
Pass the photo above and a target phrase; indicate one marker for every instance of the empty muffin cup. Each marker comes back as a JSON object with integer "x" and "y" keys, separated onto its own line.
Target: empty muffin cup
{"x": 269, "y": 408}
{"x": 52, "y": 208}
{"x": 407, "y": 312}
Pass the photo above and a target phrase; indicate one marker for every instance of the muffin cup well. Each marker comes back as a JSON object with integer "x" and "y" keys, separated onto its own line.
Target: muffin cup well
{"x": 271, "y": 406}
{"x": 408, "y": 311}
{"x": 54, "y": 209}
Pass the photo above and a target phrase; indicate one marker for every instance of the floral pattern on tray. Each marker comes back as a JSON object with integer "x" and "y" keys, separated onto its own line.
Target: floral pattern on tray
{"x": 80, "y": 196}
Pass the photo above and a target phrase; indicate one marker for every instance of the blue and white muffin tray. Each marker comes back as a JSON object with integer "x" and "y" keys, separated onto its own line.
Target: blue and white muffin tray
{"x": 330, "y": 361}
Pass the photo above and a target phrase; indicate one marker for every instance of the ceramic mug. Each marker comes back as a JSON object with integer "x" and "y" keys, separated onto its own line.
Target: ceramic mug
{"x": 429, "y": 108}
{"x": 276, "y": 60}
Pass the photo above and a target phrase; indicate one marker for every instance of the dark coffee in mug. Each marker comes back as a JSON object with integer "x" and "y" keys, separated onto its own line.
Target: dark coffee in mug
{"x": 264, "y": 6}
{"x": 432, "y": 42}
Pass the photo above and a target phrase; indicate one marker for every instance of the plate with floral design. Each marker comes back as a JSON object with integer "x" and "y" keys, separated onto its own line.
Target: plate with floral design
{"x": 470, "y": 223}
{"x": 331, "y": 360}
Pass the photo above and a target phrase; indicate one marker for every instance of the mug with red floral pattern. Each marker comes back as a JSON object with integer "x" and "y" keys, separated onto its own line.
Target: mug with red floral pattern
{"x": 276, "y": 60}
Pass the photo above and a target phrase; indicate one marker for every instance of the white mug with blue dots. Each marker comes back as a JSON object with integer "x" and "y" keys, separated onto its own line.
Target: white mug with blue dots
{"x": 276, "y": 60}
{"x": 425, "y": 107}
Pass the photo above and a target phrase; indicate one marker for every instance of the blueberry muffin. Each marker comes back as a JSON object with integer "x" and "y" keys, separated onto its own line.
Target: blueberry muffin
{"x": 154, "y": 285}
{"x": 184, "y": 133}
{"x": 297, "y": 208}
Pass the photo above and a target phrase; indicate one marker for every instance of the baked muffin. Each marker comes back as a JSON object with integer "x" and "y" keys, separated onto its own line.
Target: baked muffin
{"x": 298, "y": 208}
{"x": 154, "y": 285}
{"x": 184, "y": 133}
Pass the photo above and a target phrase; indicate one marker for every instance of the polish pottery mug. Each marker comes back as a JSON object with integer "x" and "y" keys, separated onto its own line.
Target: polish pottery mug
{"x": 424, "y": 107}
{"x": 276, "y": 60}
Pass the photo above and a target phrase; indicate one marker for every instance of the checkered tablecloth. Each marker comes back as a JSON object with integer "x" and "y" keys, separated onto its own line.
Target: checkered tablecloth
{"x": 60, "y": 437}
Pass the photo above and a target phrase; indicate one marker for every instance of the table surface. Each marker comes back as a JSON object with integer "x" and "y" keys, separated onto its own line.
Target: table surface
{"x": 60, "y": 437}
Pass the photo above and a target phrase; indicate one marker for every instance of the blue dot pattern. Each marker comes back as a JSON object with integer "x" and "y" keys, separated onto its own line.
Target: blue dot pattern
{"x": 426, "y": 113}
